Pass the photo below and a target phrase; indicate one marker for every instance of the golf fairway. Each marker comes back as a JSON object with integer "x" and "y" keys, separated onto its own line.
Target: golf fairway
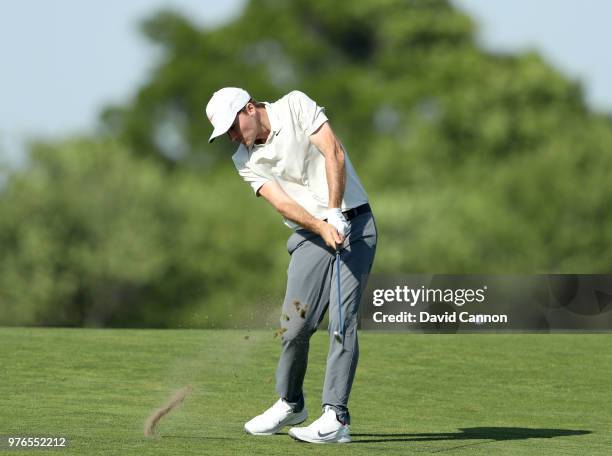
{"x": 477, "y": 394}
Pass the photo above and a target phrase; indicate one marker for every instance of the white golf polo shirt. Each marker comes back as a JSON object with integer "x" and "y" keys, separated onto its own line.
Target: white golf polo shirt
{"x": 290, "y": 159}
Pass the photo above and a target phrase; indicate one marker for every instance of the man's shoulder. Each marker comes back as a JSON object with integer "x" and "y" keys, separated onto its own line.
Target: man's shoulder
{"x": 292, "y": 95}
{"x": 291, "y": 99}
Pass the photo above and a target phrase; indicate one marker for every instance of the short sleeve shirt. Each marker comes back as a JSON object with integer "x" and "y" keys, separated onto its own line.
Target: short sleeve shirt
{"x": 289, "y": 158}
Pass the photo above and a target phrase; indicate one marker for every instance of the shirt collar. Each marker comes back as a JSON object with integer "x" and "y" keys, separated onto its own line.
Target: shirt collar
{"x": 275, "y": 126}
{"x": 275, "y": 123}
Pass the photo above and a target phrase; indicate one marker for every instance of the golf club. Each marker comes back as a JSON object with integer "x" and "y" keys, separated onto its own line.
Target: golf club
{"x": 339, "y": 333}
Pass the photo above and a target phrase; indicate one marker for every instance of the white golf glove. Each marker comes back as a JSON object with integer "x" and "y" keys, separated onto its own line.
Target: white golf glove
{"x": 336, "y": 218}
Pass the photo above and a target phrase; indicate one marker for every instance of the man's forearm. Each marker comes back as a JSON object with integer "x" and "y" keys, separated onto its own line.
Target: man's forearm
{"x": 288, "y": 207}
{"x": 336, "y": 176}
{"x": 296, "y": 213}
{"x": 325, "y": 140}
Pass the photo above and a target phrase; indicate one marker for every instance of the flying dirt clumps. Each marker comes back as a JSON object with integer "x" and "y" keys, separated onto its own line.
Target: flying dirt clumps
{"x": 303, "y": 310}
{"x": 279, "y": 332}
{"x": 300, "y": 308}
{"x": 174, "y": 402}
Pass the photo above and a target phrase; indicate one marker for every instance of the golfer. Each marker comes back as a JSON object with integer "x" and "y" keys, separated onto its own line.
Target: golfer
{"x": 289, "y": 154}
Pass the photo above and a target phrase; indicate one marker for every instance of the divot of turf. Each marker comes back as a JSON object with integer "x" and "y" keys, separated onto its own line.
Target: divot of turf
{"x": 174, "y": 401}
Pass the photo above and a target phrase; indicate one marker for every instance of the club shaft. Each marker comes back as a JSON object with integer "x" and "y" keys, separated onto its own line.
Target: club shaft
{"x": 340, "y": 319}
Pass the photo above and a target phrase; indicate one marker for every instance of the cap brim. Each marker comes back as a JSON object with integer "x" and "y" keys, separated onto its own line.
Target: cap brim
{"x": 222, "y": 128}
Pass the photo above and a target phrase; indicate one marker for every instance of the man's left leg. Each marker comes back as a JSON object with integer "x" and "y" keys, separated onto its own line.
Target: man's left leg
{"x": 356, "y": 262}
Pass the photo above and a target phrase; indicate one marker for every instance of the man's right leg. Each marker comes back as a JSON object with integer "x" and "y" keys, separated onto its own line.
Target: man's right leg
{"x": 306, "y": 299}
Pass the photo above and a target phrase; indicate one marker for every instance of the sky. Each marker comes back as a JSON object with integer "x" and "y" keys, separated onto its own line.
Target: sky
{"x": 62, "y": 61}
{"x": 573, "y": 36}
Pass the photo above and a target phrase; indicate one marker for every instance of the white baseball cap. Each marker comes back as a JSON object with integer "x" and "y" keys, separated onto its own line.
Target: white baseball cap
{"x": 222, "y": 108}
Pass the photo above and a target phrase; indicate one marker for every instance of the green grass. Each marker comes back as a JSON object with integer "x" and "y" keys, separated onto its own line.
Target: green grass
{"x": 479, "y": 394}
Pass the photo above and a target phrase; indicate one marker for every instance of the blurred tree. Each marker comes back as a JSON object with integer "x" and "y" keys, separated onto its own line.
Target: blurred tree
{"x": 92, "y": 236}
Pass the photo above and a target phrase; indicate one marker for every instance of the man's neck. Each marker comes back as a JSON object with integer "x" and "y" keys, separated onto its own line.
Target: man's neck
{"x": 262, "y": 137}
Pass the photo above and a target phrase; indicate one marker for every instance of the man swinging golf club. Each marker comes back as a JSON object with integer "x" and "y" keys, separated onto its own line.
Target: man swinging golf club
{"x": 289, "y": 154}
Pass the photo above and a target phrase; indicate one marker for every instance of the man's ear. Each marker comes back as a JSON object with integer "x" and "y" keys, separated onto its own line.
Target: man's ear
{"x": 250, "y": 108}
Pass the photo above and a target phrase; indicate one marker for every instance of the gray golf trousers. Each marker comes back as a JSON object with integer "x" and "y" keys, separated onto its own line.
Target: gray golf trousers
{"x": 311, "y": 289}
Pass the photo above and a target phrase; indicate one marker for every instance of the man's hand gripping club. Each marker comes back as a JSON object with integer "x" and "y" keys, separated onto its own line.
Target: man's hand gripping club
{"x": 336, "y": 219}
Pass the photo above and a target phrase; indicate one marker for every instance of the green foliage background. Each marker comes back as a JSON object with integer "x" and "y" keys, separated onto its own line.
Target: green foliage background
{"x": 474, "y": 163}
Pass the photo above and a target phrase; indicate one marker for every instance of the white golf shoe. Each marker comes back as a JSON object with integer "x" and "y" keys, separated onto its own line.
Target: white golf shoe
{"x": 326, "y": 429}
{"x": 275, "y": 418}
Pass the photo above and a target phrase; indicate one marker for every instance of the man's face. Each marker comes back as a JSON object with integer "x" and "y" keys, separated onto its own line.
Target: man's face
{"x": 244, "y": 129}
